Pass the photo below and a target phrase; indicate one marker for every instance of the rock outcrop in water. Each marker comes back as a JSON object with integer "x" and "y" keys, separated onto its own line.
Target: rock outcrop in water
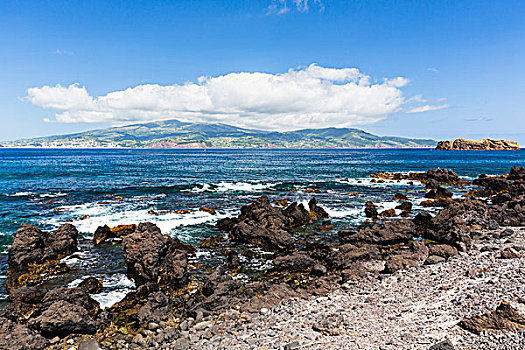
{"x": 153, "y": 257}
{"x": 477, "y": 145}
{"x": 262, "y": 224}
{"x": 35, "y": 254}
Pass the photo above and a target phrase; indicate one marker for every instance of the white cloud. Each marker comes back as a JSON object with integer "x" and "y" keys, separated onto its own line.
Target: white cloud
{"x": 433, "y": 70}
{"x": 64, "y": 52}
{"x": 280, "y": 7}
{"x": 425, "y": 108}
{"x": 312, "y": 96}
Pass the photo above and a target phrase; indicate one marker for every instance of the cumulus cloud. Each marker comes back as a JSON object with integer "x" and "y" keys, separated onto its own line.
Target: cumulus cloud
{"x": 280, "y": 7}
{"x": 64, "y": 52}
{"x": 312, "y": 96}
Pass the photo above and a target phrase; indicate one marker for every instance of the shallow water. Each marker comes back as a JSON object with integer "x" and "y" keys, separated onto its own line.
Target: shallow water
{"x": 45, "y": 187}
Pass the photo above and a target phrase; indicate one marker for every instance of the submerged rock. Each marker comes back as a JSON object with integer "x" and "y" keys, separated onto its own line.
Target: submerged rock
{"x": 91, "y": 285}
{"x": 154, "y": 257}
{"x": 35, "y": 254}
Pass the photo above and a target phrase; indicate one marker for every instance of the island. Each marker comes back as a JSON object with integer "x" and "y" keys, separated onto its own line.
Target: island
{"x": 477, "y": 145}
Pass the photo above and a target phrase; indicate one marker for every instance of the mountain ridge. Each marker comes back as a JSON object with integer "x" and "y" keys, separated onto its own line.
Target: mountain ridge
{"x": 176, "y": 134}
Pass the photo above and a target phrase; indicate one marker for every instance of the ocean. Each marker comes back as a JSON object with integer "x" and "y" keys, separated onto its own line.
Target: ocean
{"x": 93, "y": 187}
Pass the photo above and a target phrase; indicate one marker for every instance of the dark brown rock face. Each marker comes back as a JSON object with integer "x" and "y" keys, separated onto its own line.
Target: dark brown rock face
{"x": 516, "y": 173}
{"x": 263, "y": 224}
{"x": 442, "y": 176}
{"x": 414, "y": 256}
{"x": 91, "y": 285}
{"x": 156, "y": 309}
{"x": 454, "y": 224}
{"x": 390, "y": 232}
{"x": 295, "y": 262}
{"x": 370, "y": 210}
{"x": 63, "y": 318}
{"x": 477, "y": 145}
{"x": 35, "y": 254}
{"x": 505, "y": 317}
{"x": 509, "y": 213}
{"x": 154, "y": 257}
{"x": 16, "y": 336}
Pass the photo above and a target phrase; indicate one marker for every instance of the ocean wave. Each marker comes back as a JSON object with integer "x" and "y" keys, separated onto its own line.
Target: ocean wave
{"x": 367, "y": 182}
{"x": 343, "y": 212}
{"x": 53, "y": 195}
{"x": 93, "y": 215}
{"x": 115, "y": 288}
{"x": 232, "y": 186}
{"x": 21, "y": 194}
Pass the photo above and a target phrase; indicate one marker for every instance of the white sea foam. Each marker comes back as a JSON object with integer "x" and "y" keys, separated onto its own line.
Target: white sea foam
{"x": 232, "y": 186}
{"x": 20, "y": 194}
{"x": 112, "y": 215}
{"x": 343, "y": 212}
{"x": 53, "y": 195}
{"x": 119, "y": 285}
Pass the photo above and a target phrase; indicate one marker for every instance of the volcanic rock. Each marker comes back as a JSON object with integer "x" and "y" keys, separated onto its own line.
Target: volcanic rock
{"x": 35, "y": 254}
{"x": 391, "y": 232}
{"x": 478, "y": 145}
{"x": 16, "y": 336}
{"x": 505, "y": 317}
{"x": 154, "y": 257}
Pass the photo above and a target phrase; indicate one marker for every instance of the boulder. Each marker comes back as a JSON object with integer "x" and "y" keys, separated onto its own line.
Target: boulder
{"x": 74, "y": 296}
{"x": 91, "y": 285}
{"x": 405, "y": 206}
{"x": 63, "y": 318}
{"x": 439, "y": 193}
{"x": 294, "y": 262}
{"x": 35, "y": 255}
{"x": 453, "y": 225}
{"x": 509, "y": 213}
{"x": 156, "y": 309}
{"x": 388, "y": 213}
{"x": 443, "y": 250}
{"x": 516, "y": 173}
{"x": 391, "y": 232}
{"x": 415, "y": 256}
{"x": 16, "y": 336}
{"x": 505, "y": 317}
{"x": 444, "y": 345}
{"x": 262, "y": 224}
{"x": 370, "y": 210}
{"x": 219, "y": 288}
{"x": 442, "y": 176}
{"x": 347, "y": 254}
{"x": 154, "y": 257}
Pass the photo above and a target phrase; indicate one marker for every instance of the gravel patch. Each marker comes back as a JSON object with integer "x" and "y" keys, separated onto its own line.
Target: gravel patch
{"x": 412, "y": 309}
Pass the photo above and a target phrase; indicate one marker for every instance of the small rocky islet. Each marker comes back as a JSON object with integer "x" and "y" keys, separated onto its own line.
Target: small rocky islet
{"x": 452, "y": 280}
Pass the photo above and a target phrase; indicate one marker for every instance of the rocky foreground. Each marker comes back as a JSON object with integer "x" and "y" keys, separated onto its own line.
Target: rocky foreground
{"x": 402, "y": 280}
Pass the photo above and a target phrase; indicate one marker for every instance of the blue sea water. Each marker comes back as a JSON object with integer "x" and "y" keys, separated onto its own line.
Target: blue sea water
{"x": 93, "y": 187}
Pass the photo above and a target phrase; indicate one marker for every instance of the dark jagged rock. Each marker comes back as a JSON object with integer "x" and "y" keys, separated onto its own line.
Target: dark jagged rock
{"x": 63, "y": 318}
{"x": 370, "y": 210}
{"x": 91, "y": 285}
{"x": 154, "y": 257}
{"x": 23, "y": 303}
{"x": 348, "y": 254}
{"x": 405, "y": 206}
{"x": 391, "y": 232}
{"x": 212, "y": 242}
{"x": 400, "y": 197}
{"x": 263, "y": 224}
{"x": 509, "y": 213}
{"x": 219, "y": 289}
{"x": 454, "y": 224}
{"x": 297, "y": 214}
{"x": 516, "y": 173}
{"x": 439, "y": 193}
{"x": 388, "y": 213}
{"x": 431, "y": 184}
{"x": 505, "y": 317}
{"x": 415, "y": 256}
{"x": 156, "y": 309}
{"x": 102, "y": 234}
{"x": 295, "y": 262}
{"x": 35, "y": 254}
{"x": 442, "y": 176}
{"x": 74, "y": 296}
{"x": 16, "y": 336}
{"x": 443, "y": 250}
{"x": 444, "y": 345}
{"x": 422, "y": 221}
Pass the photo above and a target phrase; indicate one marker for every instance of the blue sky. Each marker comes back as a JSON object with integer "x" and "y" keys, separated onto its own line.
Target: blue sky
{"x": 462, "y": 61}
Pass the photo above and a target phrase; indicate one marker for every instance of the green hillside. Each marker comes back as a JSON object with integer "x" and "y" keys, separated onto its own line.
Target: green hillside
{"x": 177, "y": 134}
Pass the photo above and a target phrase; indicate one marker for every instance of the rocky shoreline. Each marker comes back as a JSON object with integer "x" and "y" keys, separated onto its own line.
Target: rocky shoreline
{"x": 364, "y": 288}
